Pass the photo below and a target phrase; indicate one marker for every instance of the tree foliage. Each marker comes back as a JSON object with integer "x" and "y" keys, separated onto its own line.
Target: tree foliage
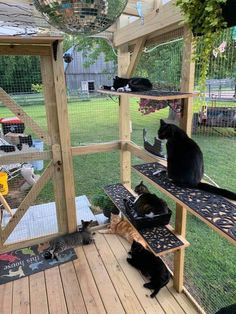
{"x": 17, "y": 73}
{"x": 92, "y": 47}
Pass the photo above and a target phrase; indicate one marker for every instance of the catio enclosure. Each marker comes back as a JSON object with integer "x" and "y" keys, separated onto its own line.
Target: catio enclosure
{"x": 88, "y": 145}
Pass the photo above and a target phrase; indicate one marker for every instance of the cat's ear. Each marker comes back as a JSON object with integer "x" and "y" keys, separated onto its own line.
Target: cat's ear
{"x": 141, "y": 183}
{"x": 162, "y": 122}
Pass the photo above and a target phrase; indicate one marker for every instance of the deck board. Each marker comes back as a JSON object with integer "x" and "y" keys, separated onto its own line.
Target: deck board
{"x": 6, "y": 297}
{"x": 20, "y": 299}
{"x": 56, "y": 297}
{"x": 38, "y": 295}
{"x": 124, "y": 290}
{"x": 150, "y": 305}
{"x": 73, "y": 294}
{"x": 88, "y": 286}
{"x": 99, "y": 281}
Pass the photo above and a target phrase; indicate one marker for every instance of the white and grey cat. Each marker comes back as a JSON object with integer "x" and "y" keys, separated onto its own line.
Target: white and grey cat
{"x": 81, "y": 237}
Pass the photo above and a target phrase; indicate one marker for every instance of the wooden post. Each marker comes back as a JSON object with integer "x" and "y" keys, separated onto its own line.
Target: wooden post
{"x": 187, "y": 81}
{"x": 64, "y": 131}
{"x": 58, "y": 127}
{"x": 53, "y": 130}
{"x": 187, "y": 85}
{"x": 124, "y": 112}
{"x": 125, "y": 155}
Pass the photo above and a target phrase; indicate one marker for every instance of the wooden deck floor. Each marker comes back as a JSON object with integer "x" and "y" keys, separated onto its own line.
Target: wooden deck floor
{"x": 99, "y": 281}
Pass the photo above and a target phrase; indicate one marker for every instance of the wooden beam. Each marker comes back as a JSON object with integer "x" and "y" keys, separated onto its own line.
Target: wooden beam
{"x": 124, "y": 111}
{"x": 31, "y": 40}
{"x": 146, "y": 96}
{"x": 11, "y": 158}
{"x": 138, "y": 49}
{"x": 64, "y": 132}
{"x": 124, "y": 128}
{"x": 95, "y": 148}
{"x": 53, "y": 130}
{"x": 187, "y": 85}
{"x": 165, "y": 19}
{"x": 21, "y": 114}
{"x": 27, "y": 50}
{"x": 143, "y": 154}
{"x": 187, "y": 80}
{"x": 131, "y": 8}
{"x": 27, "y": 201}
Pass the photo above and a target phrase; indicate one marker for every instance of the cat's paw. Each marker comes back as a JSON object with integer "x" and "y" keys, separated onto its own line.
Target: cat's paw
{"x": 148, "y": 285}
{"x": 120, "y": 89}
{"x": 112, "y": 88}
{"x": 127, "y": 88}
{"x": 129, "y": 260}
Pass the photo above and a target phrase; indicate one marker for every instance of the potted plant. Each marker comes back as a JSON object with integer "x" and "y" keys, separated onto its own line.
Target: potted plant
{"x": 105, "y": 204}
{"x": 207, "y": 18}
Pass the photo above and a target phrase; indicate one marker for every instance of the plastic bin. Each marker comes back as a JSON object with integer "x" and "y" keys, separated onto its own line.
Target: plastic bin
{"x": 3, "y": 183}
{"x": 13, "y": 125}
{"x": 38, "y": 164}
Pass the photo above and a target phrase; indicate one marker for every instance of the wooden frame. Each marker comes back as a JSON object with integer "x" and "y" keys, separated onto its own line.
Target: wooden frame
{"x": 57, "y": 138}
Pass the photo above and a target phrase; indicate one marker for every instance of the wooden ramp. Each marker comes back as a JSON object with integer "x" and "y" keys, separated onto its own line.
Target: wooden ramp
{"x": 99, "y": 281}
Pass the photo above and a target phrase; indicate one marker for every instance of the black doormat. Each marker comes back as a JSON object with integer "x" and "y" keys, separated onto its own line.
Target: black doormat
{"x": 29, "y": 260}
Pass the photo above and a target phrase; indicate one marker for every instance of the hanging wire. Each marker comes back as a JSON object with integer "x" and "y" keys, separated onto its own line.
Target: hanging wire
{"x": 162, "y": 44}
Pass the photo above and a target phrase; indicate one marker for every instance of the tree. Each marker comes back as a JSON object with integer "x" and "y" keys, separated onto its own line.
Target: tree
{"x": 92, "y": 47}
{"x": 17, "y": 73}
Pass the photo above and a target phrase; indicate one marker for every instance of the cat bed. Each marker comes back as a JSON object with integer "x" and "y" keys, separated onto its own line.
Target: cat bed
{"x": 146, "y": 221}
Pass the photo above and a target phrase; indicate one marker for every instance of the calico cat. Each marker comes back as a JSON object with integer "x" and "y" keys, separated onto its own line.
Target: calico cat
{"x": 185, "y": 164}
{"x": 81, "y": 237}
{"x": 134, "y": 84}
{"x": 147, "y": 202}
{"x": 150, "y": 266}
{"x": 123, "y": 228}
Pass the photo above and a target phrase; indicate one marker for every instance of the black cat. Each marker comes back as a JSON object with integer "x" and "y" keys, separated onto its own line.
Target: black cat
{"x": 150, "y": 266}
{"x": 185, "y": 164}
{"x": 134, "y": 84}
{"x": 147, "y": 202}
{"x": 81, "y": 237}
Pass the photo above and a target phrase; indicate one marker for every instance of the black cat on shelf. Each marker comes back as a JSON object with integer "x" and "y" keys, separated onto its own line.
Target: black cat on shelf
{"x": 150, "y": 266}
{"x": 133, "y": 84}
{"x": 185, "y": 164}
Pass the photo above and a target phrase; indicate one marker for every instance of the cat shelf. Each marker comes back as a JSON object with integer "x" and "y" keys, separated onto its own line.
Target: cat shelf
{"x": 214, "y": 210}
{"x": 160, "y": 239}
{"x": 152, "y": 94}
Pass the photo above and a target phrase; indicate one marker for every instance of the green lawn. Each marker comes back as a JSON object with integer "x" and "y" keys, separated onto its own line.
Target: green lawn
{"x": 210, "y": 260}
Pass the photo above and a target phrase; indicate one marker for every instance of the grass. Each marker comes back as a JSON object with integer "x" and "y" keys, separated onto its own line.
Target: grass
{"x": 210, "y": 260}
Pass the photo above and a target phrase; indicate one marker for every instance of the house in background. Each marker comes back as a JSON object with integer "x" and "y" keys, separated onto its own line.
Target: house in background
{"x": 80, "y": 79}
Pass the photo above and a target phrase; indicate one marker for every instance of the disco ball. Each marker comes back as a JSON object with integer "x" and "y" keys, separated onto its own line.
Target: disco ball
{"x": 81, "y": 17}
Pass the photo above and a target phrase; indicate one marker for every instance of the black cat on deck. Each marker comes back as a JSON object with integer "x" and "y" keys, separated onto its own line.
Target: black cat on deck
{"x": 133, "y": 84}
{"x": 150, "y": 266}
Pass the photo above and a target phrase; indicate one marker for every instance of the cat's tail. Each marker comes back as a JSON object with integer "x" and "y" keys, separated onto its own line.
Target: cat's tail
{"x": 104, "y": 231}
{"x": 215, "y": 190}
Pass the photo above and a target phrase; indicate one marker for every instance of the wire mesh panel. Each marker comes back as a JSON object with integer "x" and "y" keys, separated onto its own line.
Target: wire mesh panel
{"x": 24, "y": 159}
{"x": 209, "y": 266}
{"x": 93, "y": 120}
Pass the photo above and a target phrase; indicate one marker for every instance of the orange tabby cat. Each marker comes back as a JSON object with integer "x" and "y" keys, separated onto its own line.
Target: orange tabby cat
{"x": 123, "y": 228}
